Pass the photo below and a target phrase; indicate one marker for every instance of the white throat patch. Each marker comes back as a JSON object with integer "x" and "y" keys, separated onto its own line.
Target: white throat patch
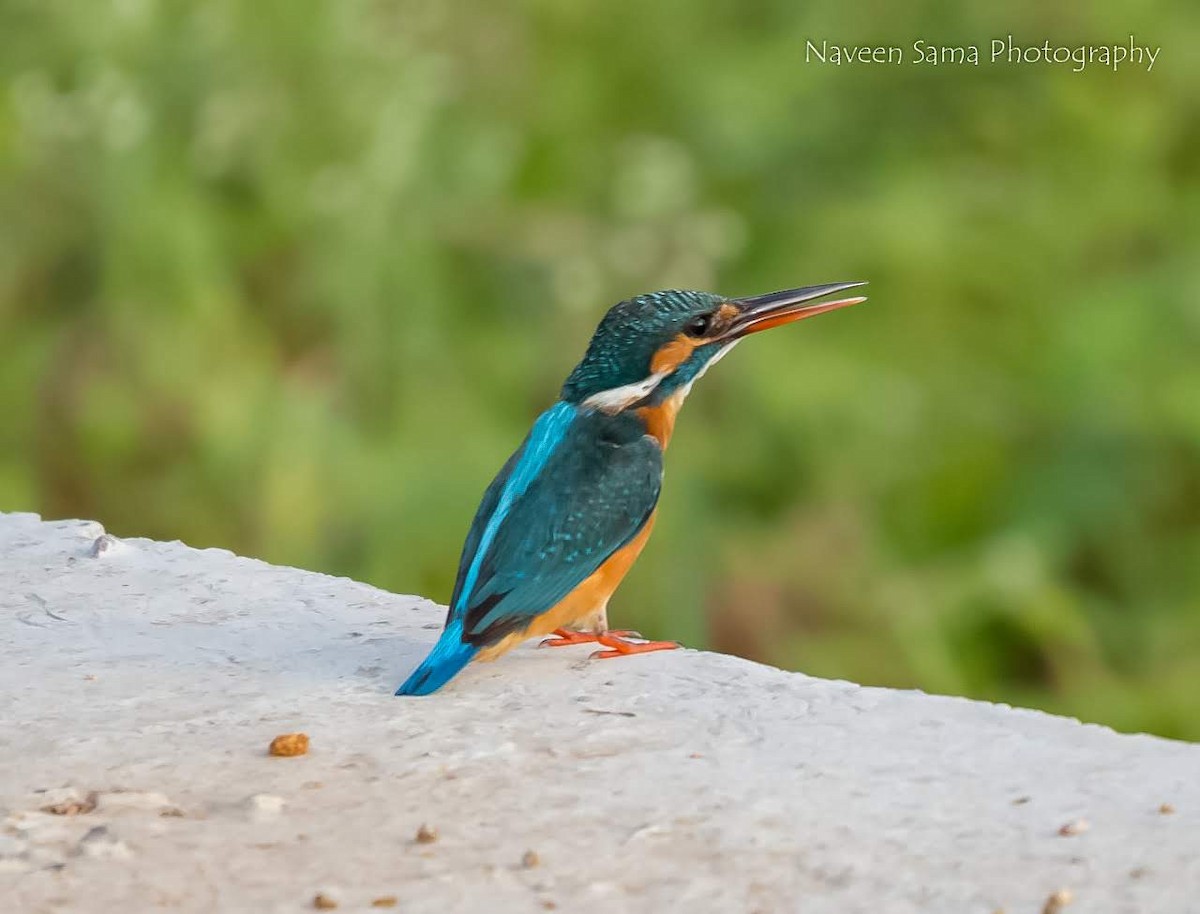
{"x": 618, "y": 398}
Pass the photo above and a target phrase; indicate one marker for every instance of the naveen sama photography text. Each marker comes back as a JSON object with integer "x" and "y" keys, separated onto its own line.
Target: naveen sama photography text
{"x": 997, "y": 51}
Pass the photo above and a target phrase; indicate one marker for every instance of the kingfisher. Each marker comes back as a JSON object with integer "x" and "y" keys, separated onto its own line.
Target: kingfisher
{"x": 570, "y": 512}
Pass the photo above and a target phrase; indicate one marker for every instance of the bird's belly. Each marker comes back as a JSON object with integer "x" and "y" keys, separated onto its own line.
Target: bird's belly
{"x": 585, "y": 602}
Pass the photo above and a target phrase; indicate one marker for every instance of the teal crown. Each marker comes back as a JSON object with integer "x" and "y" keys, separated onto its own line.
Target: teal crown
{"x": 628, "y": 337}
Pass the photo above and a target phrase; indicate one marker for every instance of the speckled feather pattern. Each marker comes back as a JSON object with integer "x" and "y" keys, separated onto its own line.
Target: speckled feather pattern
{"x": 628, "y": 337}
{"x": 593, "y": 496}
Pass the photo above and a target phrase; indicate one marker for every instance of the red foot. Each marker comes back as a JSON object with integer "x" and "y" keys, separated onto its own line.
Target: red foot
{"x": 620, "y": 647}
{"x": 565, "y": 637}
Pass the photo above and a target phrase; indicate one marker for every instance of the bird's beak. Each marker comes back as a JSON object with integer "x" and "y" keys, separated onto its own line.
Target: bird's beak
{"x": 762, "y": 312}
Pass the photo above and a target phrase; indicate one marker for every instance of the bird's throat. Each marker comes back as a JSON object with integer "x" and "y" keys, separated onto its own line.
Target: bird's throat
{"x": 659, "y": 419}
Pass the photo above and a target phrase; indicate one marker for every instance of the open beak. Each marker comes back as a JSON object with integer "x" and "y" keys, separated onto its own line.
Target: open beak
{"x": 762, "y": 312}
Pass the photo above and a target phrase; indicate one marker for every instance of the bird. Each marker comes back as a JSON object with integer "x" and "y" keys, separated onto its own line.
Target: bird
{"x": 571, "y": 510}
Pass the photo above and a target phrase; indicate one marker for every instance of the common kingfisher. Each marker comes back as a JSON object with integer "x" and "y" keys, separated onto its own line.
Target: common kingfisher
{"x": 571, "y": 510}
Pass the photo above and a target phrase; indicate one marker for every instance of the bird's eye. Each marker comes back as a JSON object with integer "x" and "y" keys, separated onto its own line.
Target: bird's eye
{"x": 698, "y": 326}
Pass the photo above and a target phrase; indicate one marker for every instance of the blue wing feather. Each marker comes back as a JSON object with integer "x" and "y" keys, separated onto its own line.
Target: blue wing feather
{"x": 451, "y": 652}
{"x": 548, "y": 433}
{"x": 581, "y": 486}
{"x": 594, "y": 494}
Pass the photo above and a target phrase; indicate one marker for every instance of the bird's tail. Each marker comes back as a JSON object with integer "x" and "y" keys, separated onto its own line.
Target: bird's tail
{"x": 448, "y": 656}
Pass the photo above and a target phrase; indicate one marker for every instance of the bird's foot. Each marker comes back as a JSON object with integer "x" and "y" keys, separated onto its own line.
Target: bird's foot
{"x": 564, "y": 637}
{"x": 619, "y": 647}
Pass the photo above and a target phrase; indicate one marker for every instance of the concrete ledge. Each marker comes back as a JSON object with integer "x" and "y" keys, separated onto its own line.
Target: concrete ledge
{"x": 141, "y": 682}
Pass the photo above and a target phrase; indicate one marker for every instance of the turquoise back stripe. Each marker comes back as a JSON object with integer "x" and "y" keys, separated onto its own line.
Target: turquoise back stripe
{"x": 547, "y": 434}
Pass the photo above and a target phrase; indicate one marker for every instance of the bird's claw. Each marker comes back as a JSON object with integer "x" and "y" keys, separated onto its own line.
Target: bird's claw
{"x": 566, "y": 638}
{"x": 619, "y": 647}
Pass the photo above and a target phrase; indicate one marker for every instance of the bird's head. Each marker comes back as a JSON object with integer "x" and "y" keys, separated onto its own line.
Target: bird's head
{"x": 651, "y": 347}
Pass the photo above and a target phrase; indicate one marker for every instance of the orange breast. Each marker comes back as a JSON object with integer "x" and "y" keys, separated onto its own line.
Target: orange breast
{"x": 585, "y": 600}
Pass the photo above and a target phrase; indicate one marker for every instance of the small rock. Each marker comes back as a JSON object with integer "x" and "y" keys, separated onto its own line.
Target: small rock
{"x": 1166, "y": 809}
{"x": 1058, "y": 901}
{"x": 426, "y": 835}
{"x": 530, "y": 859}
{"x": 71, "y": 803}
{"x": 287, "y": 745}
{"x": 1076, "y": 827}
{"x": 105, "y": 544}
{"x": 265, "y": 805}
{"x": 323, "y": 902}
{"x": 384, "y": 901}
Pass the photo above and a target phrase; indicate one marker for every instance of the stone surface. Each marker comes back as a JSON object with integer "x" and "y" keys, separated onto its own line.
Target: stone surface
{"x": 141, "y": 684}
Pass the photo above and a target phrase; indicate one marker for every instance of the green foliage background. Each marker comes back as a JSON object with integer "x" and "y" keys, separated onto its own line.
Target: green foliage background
{"x": 292, "y": 277}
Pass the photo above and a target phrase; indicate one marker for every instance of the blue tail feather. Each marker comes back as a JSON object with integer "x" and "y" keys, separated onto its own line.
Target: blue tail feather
{"x": 448, "y": 656}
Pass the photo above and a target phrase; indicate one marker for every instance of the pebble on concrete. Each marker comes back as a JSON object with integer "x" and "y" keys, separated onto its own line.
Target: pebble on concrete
{"x": 287, "y": 745}
{"x": 426, "y": 834}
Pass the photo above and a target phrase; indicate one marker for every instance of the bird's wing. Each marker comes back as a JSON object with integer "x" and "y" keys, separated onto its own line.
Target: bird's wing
{"x": 486, "y": 510}
{"x": 550, "y": 530}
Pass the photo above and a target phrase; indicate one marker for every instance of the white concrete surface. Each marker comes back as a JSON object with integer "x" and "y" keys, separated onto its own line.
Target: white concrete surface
{"x": 141, "y": 683}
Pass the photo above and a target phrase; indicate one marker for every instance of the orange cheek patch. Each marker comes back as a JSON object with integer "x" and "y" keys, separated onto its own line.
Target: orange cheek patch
{"x": 726, "y": 314}
{"x": 672, "y": 355}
